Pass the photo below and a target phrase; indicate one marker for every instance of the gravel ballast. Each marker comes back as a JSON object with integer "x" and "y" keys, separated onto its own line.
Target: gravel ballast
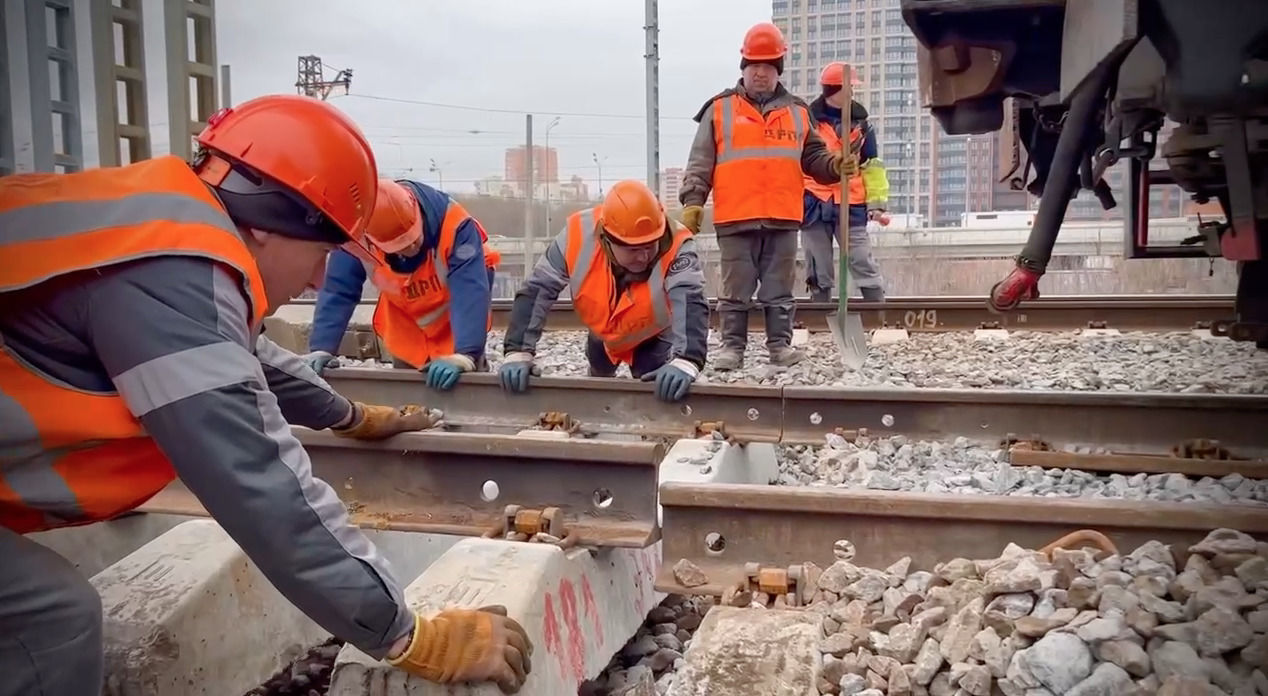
{"x": 1130, "y": 362}
{"x": 897, "y": 463}
{"x": 1165, "y": 621}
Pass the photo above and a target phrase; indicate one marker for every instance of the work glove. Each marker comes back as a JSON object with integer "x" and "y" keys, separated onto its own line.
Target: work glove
{"x": 673, "y": 379}
{"x": 692, "y": 216}
{"x": 847, "y": 165}
{"x": 464, "y": 645}
{"x": 319, "y": 360}
{"x": 371, "y": 422}
{"x": 443, "y": 373}
{"x": 515, "y": 371}
{"x": 875, "y": 214}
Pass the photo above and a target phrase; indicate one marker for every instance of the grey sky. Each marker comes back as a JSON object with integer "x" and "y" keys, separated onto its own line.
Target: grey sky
{"x": 543, "y": 56}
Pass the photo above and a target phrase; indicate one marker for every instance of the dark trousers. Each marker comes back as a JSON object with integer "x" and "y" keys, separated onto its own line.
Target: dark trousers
{"x": 762, "y": 261}
{"x": 648, "y": 356}
{"x": 50, "y": 623}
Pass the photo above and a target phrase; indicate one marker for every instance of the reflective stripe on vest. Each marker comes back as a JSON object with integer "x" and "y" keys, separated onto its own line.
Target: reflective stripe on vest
{"x": 757, "y": 166}
{"x": 69, "y": 455}
{"x": 584, "y": 256}
{"x": 416, "y": 329}
{"x": 832, "y": 192}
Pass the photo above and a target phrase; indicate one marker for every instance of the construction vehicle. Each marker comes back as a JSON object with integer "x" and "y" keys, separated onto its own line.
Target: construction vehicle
{"x": 1084, "y": 84}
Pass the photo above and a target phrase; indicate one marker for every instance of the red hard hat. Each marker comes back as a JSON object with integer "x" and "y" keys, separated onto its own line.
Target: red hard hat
{"x": 833, "y": 75}
{"x": 763, "y": 42}
{"x": 632, "y": 214}
{"x": 306, "y": 145}
{"x": 396, "y": 221}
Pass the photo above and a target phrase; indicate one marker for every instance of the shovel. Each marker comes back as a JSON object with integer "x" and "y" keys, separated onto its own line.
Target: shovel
{"x": 847, "y": 329}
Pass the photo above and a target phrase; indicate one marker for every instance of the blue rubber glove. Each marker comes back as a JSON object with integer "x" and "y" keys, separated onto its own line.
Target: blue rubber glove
{"x": 443, "y": 373}
{"x": 319, "y": 360}
{"x": 673, "y": 379}
{"x": 515, "y": 372}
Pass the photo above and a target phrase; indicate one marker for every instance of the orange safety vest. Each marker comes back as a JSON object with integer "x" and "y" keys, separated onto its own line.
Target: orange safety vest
{"x": 639, "y": 313}
{"x": 82, "y": 456}
{"x": 412, "y": 315}
{"x": 832, "y": 192}
{"x": 757, "y": 169}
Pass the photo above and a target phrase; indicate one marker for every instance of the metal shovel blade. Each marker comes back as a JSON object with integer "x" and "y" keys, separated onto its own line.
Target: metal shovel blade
{"x": 851, "y": 339}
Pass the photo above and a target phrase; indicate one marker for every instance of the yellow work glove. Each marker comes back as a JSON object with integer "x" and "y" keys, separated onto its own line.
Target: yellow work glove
{"x": 464, "y": 645}
{"x": 371, "y": 422}
{"x": 692, "y": 216}
{"x": 847, "y": 165}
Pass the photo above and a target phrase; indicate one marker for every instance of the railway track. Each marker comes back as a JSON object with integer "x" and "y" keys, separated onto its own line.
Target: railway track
{"x": 593, "y": 407}
{"x": 603, "y": 465}
{"x": 933, "y": 314}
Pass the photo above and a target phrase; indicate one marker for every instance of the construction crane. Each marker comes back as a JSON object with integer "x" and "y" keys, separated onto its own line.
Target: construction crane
{"x": 312, "y": 81}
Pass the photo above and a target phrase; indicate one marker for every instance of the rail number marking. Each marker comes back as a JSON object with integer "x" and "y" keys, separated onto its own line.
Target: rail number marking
{"x": 920, "y": 319}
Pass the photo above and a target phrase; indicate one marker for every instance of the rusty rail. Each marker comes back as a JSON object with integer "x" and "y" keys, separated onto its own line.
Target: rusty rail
{"x": 721, "y": 528}
{"x": 960, "y": 313}
{"x": 456, "y": 483}
{"x": 1139, "y": 422}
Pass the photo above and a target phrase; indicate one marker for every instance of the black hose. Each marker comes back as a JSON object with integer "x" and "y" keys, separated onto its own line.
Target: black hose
{"x": 1063, "y": 179}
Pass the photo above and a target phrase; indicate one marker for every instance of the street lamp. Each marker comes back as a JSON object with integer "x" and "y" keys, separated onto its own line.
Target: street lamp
{"x": 439, "y": 172}
{"x": 599, "y": 163}
{"x": 548, "y": 177}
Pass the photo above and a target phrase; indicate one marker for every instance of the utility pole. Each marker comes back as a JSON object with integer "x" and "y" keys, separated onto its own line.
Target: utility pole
{"x": 651, "y": 30}
{"x": 226, "y": 97}
{"x": 312, "y": 82}
{"x": 528, "y": 196}
{"x": 550, "y": 175}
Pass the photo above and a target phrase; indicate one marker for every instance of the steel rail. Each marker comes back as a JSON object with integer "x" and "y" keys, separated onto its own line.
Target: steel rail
{"x": 960, "y": 313}
{"x": 722, "y": 527}
{"x": 1140, "y": 422}
{"x": 437, "y": 483}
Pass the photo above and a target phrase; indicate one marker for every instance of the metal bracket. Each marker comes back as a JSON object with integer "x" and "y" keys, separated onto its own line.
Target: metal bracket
{"x": 707, "y": 429}
{"x": 544, "y": 526}
{"x": 1098, "y": 324}
{"x": 777, "y": 588}
{"x": 1033, "y": 444}
{"x": 559, "y": 421}
{"x": 1201, "y": 449}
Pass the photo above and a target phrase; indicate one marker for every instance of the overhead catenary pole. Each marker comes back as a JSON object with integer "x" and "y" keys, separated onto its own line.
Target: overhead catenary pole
{"x": 226, "y": 96}
{"x": 652, "y": 56}
{"x": 528, "y": 196}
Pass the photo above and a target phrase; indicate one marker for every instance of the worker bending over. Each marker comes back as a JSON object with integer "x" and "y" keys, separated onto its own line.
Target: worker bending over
{"x": 131, "y": 301}
{"x": 752, "y": 144}
{"x": 868, "y": 190}
{"x": 636, "y": 282}
{"x": 434, "y": 273}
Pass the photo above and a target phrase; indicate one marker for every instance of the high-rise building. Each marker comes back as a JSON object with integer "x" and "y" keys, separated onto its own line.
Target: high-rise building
{"x": 545, "y": 165}
{"x": 670, "y": 186}
{"x": 929, "y": 172}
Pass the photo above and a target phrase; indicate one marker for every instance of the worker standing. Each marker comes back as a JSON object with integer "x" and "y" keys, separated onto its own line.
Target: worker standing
{"x": 636, "y": 282}
{"x": 753, "y": 142}
{"x": 434, "y": 272}
{"x": 868, "y": 192}
{"x": 131, "y": 301}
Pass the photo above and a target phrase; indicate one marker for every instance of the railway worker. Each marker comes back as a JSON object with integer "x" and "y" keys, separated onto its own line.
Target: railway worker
{"x": 131, "y": 301}
{"x": 868, "y": 193}
{"x": 753, "y": 142}
{"x": 432, "y": 315}
{"x": 636, "y": 282}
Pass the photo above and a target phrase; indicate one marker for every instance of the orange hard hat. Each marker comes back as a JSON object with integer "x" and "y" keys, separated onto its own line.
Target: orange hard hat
{"x": 306, "y": 145}
{"x": 631, "y": 213}
{"x": 833, "y": 75}
{"x": 397, "y": 221}
{"x": 763, "y": 42}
